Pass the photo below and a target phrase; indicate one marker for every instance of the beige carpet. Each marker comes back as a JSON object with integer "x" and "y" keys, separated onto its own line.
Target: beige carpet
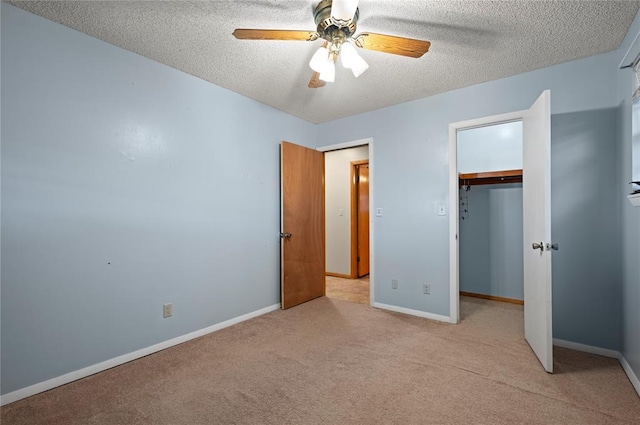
{"x": 353, "y": 290}
{"x": 335, "y": 362}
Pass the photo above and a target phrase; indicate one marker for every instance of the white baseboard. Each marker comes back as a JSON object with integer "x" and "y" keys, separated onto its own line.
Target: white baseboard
{"x": 411, "y": 312}
{"x": 605, "y": 352}
{"x": 630, "y": 374}
{"x": 125, "y": 358}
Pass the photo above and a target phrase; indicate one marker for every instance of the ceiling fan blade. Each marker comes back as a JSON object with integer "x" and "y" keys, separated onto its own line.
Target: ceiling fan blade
{"x": 343, "y": 10}
{"x": 315, "y": 82}
{"x": 256, "y": 34}
{"x": 392, "y": 44}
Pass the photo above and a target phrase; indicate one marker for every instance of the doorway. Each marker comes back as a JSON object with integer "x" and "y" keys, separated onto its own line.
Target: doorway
{"x": 537, "y": 245}
{"x": 490, "y": 219}
{"x": 347, "y": 221}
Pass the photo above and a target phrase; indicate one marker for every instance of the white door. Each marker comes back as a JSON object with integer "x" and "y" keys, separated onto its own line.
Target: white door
{"x": 536, "y": 190}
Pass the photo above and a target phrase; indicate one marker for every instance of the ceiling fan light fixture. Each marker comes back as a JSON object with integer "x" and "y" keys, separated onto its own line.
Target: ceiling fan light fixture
{"x": 336, "y": 22}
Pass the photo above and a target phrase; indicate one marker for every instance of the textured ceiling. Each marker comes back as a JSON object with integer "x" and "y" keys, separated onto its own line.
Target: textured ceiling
{"x": 472, "y": 42}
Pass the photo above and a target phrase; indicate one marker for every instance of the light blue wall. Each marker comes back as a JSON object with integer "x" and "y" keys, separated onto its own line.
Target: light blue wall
{"x": 584, "y": 222}
{"x": 474, "y": 249}
{"x": 125, "y": 185}
{"x": 491, "y": 148}
{"x": 630, "y": 216}
{"x": 411, "y": 152}
{"x": 491, "y": 242}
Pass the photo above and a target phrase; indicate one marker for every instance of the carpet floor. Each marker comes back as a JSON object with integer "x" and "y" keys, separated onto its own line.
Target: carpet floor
{"x": 335, "y": 362}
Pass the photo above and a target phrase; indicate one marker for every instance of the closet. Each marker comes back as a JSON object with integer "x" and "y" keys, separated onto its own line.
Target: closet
{"x": 490, "y": 227}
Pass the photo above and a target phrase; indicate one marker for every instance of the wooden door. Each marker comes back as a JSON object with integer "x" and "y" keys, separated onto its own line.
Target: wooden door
{"x": 363, "y": 220}
{"x": 302, "y": 224}
{"x": 536, "y": 192}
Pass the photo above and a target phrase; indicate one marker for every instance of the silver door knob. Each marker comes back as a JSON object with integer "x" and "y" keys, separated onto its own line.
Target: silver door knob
{"x": 552, "y": 246}
{"x": 285, "y": 235}
{"x": 539, "y": 246}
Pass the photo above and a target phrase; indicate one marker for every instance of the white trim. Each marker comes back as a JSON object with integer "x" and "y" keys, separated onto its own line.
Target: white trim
{"x": 454, "y": 282}
{"x": 346, "y": 145}
{"x": 630, "y": 374}
{"x": 605, "y": 352}
{"x": 355, "y": 143}
{"x": 282, "y": 224}
{"x": 125, "y": 358}
{"x": 371, "y": 224}
{"x": 411, "y": 312}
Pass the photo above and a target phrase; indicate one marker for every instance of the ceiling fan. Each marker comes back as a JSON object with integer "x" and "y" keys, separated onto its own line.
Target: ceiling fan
{"x": 336, "y": 24}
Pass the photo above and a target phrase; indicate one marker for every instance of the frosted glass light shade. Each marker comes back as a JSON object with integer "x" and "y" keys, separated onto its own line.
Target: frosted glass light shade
{"x": 343, "y": 9}
{"x": 319, "y": 59}
{"x": 352, "y": 60}
{"x": 359, "y": 67}
{"x": 347, "y": 55}
{"x": 328, "y": 74}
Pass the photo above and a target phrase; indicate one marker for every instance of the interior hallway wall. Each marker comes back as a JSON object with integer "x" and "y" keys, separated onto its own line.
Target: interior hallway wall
{"x": 337, "y": 166}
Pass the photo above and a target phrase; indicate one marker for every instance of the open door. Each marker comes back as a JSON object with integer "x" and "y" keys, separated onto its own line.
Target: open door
{"x": 302, "y": 224}
{"x": 363, "y": 220}
{"x": 536, "y": 192}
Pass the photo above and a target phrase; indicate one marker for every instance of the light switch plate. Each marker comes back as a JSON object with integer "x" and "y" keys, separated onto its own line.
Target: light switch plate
{"x": 378, "y": 212}
{"x": 442, "y": 208}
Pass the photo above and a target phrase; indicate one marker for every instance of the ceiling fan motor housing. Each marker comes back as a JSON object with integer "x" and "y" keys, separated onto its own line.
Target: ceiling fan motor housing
{"x": 330, "y": 29}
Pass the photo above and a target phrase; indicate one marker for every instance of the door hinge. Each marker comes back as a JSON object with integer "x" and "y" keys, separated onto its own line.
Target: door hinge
{"x": 358, "y": 259}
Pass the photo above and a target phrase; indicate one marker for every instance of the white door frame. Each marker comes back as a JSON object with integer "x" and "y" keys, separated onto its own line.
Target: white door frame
{"x": 454, "y": 193}
{"x": 353, "y": 144}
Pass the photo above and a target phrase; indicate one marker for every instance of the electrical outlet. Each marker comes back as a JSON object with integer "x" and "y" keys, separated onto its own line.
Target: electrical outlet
{"x": 167, "y": 310}
{"x": 394, "y": 284}
{"x": 426, "y": 288}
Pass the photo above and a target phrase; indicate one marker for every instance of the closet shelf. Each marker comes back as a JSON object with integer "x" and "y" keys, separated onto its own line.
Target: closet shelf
{"x": 490, "y": 177}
